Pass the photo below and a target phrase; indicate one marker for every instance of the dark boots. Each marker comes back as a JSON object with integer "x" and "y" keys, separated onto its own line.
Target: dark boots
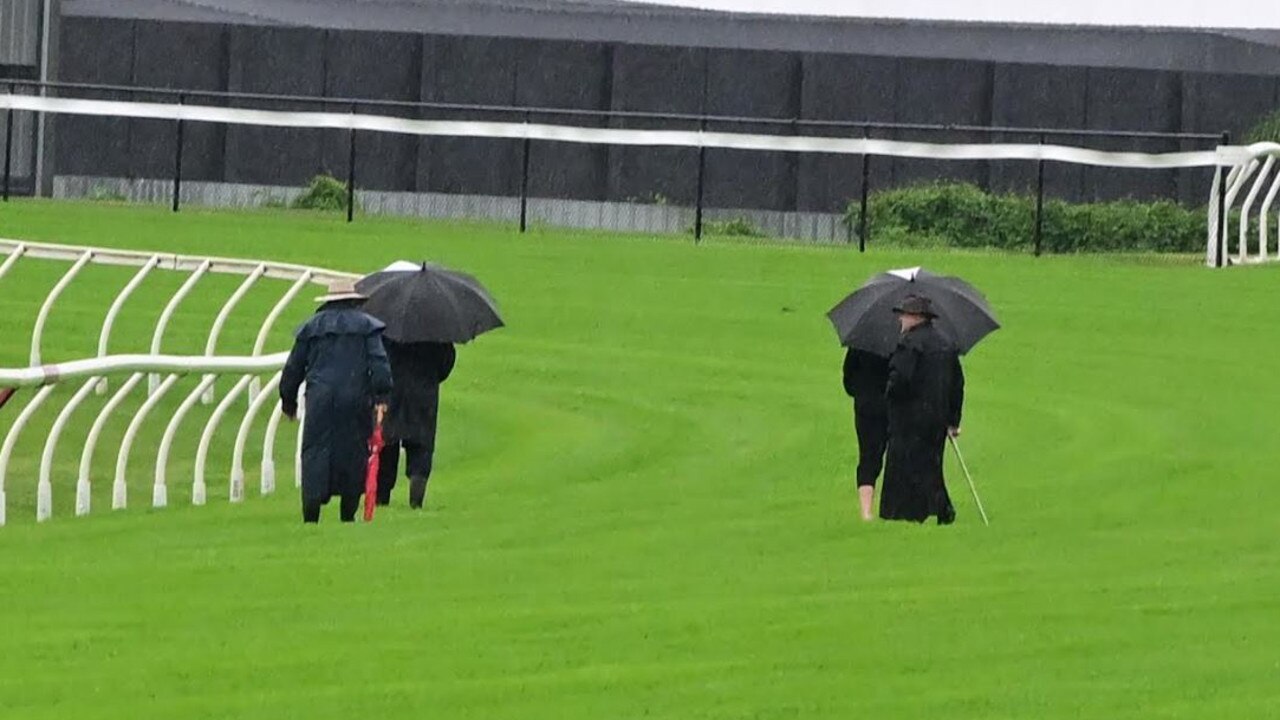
{"x": 417, "y": 492}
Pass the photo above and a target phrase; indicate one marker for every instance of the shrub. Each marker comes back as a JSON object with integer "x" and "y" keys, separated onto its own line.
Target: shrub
{"x": 963, "y": 215}
{"x": 1267, "y": 130}
{"x": 324, "y": 193}
{"x": 734, "y": 227}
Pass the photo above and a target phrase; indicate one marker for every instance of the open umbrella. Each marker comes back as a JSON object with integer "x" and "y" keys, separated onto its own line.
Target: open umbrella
{"x": 428, "y": 303}
{"x": 865, "y": 319}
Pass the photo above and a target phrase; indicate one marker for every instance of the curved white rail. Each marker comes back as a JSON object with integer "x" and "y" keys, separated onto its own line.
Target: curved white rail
{"x": 242, "y": 436}
{"x": 1254, "y": 190}
{"x": 211, "y": 344}
{"x": 119, "y": 489}
{"x": 11, "y": 439}
{"x": 202, "y": 451}
{"x": 14, "y": 256}
{"x": 159, "y": 489}
{"x": 44, "y": 491}
{"x": 163, "y": 323}
{"x": 179, "y": 364}
{"x": 38, "y": 333}
{"x": 104, "y": 337}
{"x": 91, "y": 442}
{"x": 1263, "y": 215}
{"x": 260, "y": 343}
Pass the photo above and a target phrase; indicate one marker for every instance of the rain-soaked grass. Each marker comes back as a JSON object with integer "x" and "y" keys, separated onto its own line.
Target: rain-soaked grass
{"x": 644, "y": 502}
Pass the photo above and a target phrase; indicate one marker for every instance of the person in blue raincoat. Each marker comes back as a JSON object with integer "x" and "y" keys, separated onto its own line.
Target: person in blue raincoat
{"x": 340, "y": 355}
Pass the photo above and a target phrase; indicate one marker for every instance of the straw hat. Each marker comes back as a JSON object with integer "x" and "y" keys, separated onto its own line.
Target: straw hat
{"x": 341, "y": 290}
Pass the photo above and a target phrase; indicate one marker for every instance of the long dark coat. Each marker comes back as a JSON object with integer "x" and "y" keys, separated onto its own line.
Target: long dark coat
{"x": 339, "y": 353}
{"x": 926, "y": 395}
{"x": 418, "y": 369}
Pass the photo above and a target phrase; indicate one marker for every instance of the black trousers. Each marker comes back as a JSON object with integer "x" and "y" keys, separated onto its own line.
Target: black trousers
{"x": 418, "y": 461}
{"x": 347, "y": 508}
{"x": 873, "y": 438}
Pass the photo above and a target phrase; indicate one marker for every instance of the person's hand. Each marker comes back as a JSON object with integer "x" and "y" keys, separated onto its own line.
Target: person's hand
{"x": 380, "y": 411}
{"x": 953, "y": 432}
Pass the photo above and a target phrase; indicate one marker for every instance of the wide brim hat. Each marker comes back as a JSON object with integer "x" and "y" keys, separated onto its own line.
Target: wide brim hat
{"x": 342, "y": 290}
{"x": 915, "y": 305}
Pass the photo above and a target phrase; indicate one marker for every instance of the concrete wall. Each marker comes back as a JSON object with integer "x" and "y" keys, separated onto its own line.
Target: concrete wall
{"x": 603, "y": 76}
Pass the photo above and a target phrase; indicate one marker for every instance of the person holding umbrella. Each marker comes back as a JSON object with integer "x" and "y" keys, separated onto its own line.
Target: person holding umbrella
{"x": 427, "y": 310}
{"x": 926, "y": 395}
{"x": 922, "y": 322}
{"x": 417, "y": 369}
{"x": 340, "y": 356}
{"x": 866, "y": 375}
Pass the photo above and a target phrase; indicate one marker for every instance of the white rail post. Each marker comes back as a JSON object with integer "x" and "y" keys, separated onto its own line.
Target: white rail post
{"x": 1263, "y": 215}
{"x": 50, "y": 299}
{"x": 44, "y": 490}
{"x": 120, "y": 489}
{"x": 167, "y": 315}
{"x": 159, "y": 489}
{"x": 302, "y": 425}
{"x": 260, "y": 343}
{"x": 83, "y": 496}
{"x": 211, "y": 345}
{"x": 246, "y": 425}
{"x": 268, "y": 481}
{"x": 11, "y": 439}
{"x": 202, "y": 452}
{"x": 104, "y": 337}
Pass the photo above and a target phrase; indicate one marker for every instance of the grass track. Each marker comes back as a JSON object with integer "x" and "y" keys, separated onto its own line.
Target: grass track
{"x": 644, "y": 504}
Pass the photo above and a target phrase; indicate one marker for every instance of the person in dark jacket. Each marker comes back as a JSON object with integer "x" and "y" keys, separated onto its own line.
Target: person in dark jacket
{"x": 417, "y": 369}
{"x": 865, "y": 377}
{"x": 926, "y": 394}
{"x": 339, "y": 353}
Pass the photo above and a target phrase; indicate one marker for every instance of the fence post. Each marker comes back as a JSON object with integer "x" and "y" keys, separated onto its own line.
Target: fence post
{"x": 524, "y": 178}
{"x": 351, "y": 169}
{"x": 866, "y": 189}
{"x": 702, "y": 171}
{"x": 1223, "y": 223}
{"x": 1039, "y": 231}
{"x": 177, "y": 162}
{"x": 8, "y": 148}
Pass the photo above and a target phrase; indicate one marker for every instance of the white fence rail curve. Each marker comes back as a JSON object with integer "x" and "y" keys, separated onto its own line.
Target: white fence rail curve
{"x": 90, "y": 375}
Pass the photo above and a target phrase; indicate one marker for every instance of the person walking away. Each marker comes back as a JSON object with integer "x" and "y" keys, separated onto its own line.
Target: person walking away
{"x": 339, "y": 353}
{"x": 925, "y": 396}
{"x": 417, "y": 371}
{"x": 866, "y": 376}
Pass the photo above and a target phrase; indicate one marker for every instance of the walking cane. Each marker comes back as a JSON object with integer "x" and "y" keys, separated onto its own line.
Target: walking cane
{"x": 972, "y": 488}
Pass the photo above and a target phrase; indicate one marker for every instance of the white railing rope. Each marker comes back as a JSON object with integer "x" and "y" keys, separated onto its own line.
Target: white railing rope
{"x": 1225, "y": 155}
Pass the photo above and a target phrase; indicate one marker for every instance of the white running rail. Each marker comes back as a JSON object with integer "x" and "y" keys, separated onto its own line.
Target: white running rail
{"x": 1244, "y": 161}
{"x": 40, "y": 380}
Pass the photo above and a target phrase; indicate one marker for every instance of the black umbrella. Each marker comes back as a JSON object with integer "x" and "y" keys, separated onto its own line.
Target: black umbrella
{"x": 865, "y": 319}
{"x": 428, "y": 303}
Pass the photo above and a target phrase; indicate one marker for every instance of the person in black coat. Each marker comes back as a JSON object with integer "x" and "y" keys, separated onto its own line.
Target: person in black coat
{"x": 339, "y": 353}
{"x": 865, "y": 377}
{"x": 418, "y": 369}
{"x": 926, "y": 394}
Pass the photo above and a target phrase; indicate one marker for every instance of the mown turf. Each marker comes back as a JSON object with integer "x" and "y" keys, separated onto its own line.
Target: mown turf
{"x": 644, "y": 504}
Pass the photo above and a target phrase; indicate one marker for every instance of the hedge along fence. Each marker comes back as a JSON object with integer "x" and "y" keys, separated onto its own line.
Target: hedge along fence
{"x": 964, "y": 215}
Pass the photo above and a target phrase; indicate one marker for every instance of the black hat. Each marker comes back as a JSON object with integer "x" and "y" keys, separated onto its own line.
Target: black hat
{"x": 915, "y": 305}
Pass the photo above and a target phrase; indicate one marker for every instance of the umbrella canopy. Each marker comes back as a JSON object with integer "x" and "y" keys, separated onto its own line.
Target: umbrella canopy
{"x": 428, "y": 303}
{"x": 865, "y": 319}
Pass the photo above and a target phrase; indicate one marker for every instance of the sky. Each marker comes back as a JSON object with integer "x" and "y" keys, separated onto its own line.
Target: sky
{"x": 1164, "y": 13}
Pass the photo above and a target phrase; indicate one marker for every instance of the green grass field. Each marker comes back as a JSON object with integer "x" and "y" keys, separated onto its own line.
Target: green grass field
{"x": 644, "y": 506}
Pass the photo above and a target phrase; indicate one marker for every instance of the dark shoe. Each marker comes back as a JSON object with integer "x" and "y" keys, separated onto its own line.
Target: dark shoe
{"x": 417, "y": 492}
{"x": 947, "y": 515}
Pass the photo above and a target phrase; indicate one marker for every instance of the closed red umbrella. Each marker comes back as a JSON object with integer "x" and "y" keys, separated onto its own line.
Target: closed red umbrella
{"x": 371, "y": 470}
